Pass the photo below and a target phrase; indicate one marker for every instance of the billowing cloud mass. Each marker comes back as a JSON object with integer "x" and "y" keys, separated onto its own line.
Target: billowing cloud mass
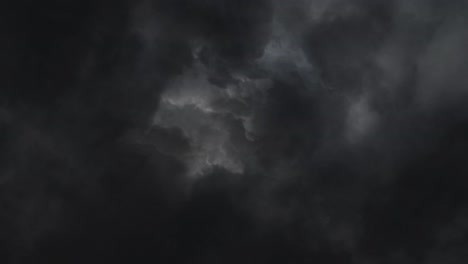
{"x": 248, "y": 131}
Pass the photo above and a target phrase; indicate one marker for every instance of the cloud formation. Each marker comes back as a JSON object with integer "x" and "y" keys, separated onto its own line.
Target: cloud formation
{"x": 261, "y": 131}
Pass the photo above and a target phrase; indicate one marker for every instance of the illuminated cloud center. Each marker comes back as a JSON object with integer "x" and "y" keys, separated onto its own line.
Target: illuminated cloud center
{"x": 203, "y": 112}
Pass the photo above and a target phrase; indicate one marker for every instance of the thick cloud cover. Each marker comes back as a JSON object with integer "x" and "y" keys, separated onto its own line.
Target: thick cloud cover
{"x": 249, "y": 131}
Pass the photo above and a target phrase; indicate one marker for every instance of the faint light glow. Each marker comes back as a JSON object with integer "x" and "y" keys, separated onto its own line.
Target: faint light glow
{"x": 361, "y": 119}
{"x": 192, "y": 104}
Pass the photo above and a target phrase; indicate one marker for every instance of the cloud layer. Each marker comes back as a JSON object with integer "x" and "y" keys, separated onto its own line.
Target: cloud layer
{"x": 253, "y": 131}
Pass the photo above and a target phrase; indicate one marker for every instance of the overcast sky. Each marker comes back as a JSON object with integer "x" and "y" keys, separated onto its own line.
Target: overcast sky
{"x": 234, "y": 131}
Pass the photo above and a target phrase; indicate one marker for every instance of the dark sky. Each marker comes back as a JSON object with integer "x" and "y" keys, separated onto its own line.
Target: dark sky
{"x": 234, "y": 131}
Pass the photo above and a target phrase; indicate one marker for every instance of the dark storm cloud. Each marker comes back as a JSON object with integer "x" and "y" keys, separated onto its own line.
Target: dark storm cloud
{"x": 321, "y": 131}
{"x": 80, "y": 85}
{"x": 84, "y": 177}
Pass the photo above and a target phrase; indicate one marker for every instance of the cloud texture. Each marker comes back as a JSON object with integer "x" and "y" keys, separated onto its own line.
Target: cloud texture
{"x": 248, "y": 131}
